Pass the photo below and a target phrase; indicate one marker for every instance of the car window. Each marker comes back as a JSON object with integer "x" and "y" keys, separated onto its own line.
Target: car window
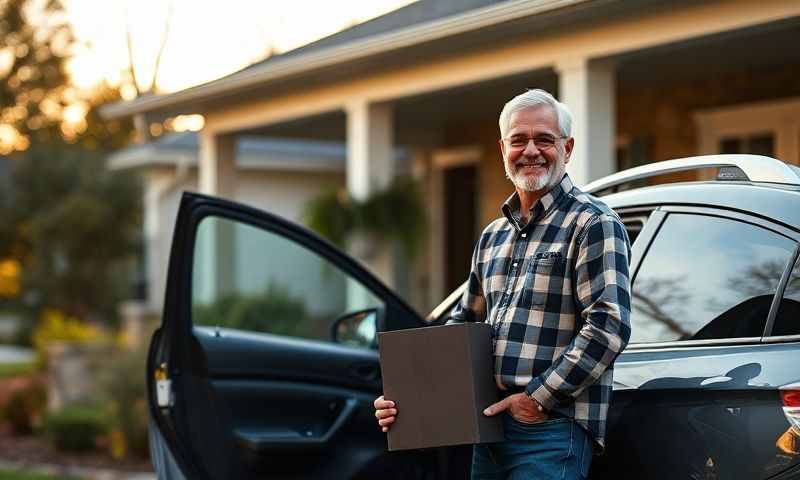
{"x": 787, "y": 321}
{"x": 707, "y": 278}
{"x": 251, "y": 279}
{"x": 634, "y": 223}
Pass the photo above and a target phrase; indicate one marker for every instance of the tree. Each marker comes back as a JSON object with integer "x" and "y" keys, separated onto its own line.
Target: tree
{"x": 69, "y": 224}
{"x": 33, "y": 78}
{"x": 74, "y": 228}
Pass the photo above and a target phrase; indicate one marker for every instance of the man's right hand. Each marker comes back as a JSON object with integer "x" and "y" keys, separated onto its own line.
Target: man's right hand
{"x": 385, "y": 412}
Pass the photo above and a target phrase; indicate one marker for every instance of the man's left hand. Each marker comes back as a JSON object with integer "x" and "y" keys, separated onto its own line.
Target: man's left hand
{"x": 520, "y": 406}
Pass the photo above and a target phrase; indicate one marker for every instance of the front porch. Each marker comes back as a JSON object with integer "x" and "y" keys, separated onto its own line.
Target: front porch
{"x": 673, "y": 84}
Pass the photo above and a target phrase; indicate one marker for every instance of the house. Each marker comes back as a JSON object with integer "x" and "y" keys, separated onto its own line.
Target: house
{"x": 275, "y": 174}
{"x": 646, "y": 80}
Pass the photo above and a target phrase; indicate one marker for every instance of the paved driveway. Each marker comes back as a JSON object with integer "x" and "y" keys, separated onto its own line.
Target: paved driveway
{"x": 12, "y": 354}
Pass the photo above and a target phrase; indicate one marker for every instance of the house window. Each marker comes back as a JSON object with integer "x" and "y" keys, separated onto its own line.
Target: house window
{"x": 755, "y": 144}
{"x": 764, "y": 128}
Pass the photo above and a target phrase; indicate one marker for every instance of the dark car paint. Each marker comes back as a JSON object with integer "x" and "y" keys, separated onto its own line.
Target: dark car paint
{"x": 699, "y": 412}
{"x": 680, "y": 411}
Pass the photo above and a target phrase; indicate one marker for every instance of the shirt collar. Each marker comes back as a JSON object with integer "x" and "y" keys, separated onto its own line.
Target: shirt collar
{"x": 511, "y": 207}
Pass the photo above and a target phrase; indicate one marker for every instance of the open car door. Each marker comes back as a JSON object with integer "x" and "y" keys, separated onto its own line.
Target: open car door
{"x": 245, "y": 380}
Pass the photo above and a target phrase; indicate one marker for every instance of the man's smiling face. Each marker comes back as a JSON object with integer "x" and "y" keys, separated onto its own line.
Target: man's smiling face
{"x": 536, "y": 165}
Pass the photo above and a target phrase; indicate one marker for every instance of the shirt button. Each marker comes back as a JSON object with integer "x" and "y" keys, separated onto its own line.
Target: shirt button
{"x": 524, "y": 235}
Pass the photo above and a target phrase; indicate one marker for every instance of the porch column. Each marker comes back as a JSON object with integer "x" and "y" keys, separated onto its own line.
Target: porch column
{"x": 588, "y": 89}
{"x": 217, "y": 165}
{"x": 156, "y": 260}
{"x": 370, "y": 168}
{"x": 215, "y": 258}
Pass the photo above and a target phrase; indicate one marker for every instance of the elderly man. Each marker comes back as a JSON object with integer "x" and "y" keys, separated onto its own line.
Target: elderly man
{"x": 551, "y": 278}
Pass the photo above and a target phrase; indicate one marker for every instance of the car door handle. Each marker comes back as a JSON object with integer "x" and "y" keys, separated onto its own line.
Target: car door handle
{"x": 260, "y": 440}
{"x": 366, "y": 371}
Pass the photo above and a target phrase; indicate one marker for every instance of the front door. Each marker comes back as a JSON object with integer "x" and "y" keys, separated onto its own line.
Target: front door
{"x": 245, "y": 378}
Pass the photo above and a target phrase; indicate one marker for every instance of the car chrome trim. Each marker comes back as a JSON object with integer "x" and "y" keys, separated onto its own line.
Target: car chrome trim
{"x": 738, "y": 215}
{"x": 757, "y": 168}
{"x": 781, "y": 339}
{"x": 682, "y": 344}
{"x": 446, "y": 304}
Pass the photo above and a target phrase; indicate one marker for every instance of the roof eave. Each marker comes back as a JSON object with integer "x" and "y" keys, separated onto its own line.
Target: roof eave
{"x": 358, "y": 49}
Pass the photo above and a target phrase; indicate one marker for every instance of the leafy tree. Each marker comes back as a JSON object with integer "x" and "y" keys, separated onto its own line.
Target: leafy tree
{"x": 70, "y": 225}
{"x": 73, "y": 226}
{"x": 33, "y": 78}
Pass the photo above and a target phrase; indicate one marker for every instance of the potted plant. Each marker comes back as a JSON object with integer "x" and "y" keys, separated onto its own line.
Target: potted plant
{"x": 394, "y": 215}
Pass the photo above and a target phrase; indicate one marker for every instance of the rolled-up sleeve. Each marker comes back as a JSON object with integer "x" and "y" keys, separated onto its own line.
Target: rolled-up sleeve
{"x": 602, "y": 295}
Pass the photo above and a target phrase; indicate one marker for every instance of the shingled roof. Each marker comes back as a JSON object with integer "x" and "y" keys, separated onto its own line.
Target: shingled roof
{"x": 412, "y": 14}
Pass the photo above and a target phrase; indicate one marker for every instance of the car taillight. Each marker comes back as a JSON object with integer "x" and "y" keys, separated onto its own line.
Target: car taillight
{"x": 790, "y": 394}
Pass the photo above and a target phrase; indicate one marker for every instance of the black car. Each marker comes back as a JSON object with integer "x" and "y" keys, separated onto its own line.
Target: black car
{"x": 266, "y": 364}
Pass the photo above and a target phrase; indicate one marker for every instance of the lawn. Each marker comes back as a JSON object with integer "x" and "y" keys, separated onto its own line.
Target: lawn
{"x": 8, "y": 370}
{"x": 23, "y": 475}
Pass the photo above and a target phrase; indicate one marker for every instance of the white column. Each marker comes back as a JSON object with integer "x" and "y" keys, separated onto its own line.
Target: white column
{"x": 156, "y": 183}
{"x": 217, "y": 165}
{"x": 370, "y": 139}
{"x": 370, "y": 166}
{"x": 216, "y": 240}
{"x": 588, "y": 89}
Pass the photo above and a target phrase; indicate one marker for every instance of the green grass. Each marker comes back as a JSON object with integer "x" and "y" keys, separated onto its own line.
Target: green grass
{"x": 25, "y": 475}
{"x": 8, "y": 370}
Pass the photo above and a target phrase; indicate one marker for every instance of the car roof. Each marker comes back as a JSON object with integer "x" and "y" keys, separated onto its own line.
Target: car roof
{"x": 779, "y": 203}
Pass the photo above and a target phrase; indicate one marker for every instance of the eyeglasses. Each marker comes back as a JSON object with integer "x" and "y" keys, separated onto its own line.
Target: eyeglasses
{"x": 542, "y": 142}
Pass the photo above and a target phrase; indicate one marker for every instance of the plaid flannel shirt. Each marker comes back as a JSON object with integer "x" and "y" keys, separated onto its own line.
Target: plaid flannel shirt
{"x": 557, "y": 293}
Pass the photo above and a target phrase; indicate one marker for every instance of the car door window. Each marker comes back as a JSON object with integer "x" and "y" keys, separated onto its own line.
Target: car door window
{"x": 634, "y": 223}
{"x": 707, "y": 278}
{"x": 252, "y": 279}
{"x": 787, "y": 321}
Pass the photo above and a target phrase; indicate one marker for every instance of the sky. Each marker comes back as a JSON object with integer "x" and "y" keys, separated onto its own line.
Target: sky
{"x": 206, "y": 39}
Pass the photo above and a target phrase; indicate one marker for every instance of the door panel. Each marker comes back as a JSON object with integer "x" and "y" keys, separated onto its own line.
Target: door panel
{"x": 258, "y": 388}
{"x": 705, "y": 413}
{"x": 277, "y": 357}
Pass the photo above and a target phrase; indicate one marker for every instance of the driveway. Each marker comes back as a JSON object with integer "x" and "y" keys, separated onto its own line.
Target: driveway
{"x": 12, "y": 354}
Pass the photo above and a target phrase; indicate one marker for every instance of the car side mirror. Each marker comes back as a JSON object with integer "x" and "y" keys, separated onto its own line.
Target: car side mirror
{"x": 356, "y": 328}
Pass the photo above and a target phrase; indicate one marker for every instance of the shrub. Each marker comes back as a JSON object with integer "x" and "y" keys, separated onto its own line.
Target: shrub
{"x": 123, "y": 390}
{"x": 24, "y": 407}
{"x": 55, "y": 327}
{"x": 75, "y": 428}
{"x": 274, "y": 311}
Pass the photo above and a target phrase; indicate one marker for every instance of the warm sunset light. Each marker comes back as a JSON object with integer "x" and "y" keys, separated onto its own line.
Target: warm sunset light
{"x": 185, "y": 123}
{"x": 205, "y": 40}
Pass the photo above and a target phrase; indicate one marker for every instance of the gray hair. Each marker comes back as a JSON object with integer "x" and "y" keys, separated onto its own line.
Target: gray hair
{"x": 537, "y": 98}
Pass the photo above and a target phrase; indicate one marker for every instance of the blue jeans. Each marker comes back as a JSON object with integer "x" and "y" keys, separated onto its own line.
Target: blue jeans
{"x": 556, "y": 449}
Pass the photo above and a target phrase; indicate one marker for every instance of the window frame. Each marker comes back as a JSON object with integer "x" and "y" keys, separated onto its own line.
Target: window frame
{"x": 776, "y": 117}
{"x": 768, "y": 337}
{"x": 651, "y": 229}
{"x": 396, "y": 314}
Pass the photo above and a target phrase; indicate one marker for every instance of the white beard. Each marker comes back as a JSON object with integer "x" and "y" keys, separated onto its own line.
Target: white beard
{"x": 530, "y": 183}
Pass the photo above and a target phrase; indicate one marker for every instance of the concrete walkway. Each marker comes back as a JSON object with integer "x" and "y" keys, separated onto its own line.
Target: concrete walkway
{"x": 12, "y": 354}
{"x": 82, "y": 473}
